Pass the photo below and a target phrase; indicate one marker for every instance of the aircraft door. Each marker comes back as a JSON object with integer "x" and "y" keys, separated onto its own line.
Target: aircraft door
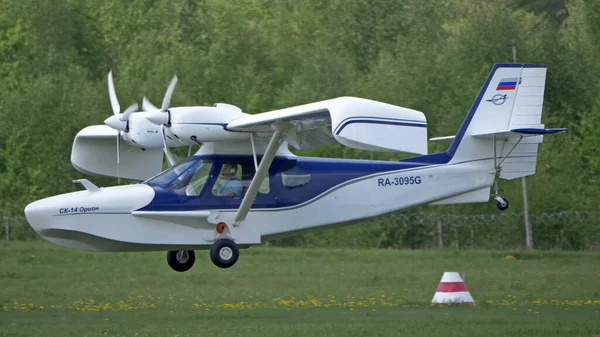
{"x": 232, "y": 183}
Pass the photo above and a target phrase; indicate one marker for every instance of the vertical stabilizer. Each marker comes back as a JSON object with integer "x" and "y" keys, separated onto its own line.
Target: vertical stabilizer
{"x": 511, "y": 99}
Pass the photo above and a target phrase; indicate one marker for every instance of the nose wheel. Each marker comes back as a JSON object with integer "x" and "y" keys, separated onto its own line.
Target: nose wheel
{"x": 181, "y": 260}
{"x": 224, "y": 253}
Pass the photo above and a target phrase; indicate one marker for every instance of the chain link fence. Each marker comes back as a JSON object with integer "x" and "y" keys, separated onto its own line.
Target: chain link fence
{"x": 569, "y": 230}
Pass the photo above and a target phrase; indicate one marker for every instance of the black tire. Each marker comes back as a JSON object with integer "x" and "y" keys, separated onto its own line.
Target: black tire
{"x": 181, "y": 263}
{"x": 500, "y": 207}
{"x": 224, "y": 253}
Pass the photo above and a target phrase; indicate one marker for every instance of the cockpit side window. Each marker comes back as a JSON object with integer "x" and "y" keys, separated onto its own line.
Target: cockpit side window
{"x": 295, "y": 176}
{"x": 229, "y": 183}
{"x": 235, "y": 178}
{"x": 186, "y": 178}
{"x": 198, "y": 180}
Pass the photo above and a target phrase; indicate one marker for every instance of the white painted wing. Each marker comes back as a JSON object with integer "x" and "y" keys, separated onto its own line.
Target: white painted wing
{"x": 313, "y": 122}
{"x": 355, "y": 122}
{"x": 95, "y": 152}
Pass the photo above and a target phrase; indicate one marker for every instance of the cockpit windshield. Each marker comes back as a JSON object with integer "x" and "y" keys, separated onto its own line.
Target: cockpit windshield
{"x": 187, "y": 177}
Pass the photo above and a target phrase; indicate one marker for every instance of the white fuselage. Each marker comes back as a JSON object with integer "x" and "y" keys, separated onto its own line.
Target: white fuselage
{"x": 107, "y": 220}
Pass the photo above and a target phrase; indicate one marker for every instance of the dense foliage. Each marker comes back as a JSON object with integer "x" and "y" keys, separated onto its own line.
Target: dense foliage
{"x": 260, "y": 55}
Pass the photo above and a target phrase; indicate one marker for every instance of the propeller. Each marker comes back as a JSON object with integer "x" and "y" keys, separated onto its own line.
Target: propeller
{"x": 162, "y": 117}
{"x": 118, "y": 121}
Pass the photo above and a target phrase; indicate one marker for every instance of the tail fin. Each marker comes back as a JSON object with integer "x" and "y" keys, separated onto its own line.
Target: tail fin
{"x": 506, "y": 115}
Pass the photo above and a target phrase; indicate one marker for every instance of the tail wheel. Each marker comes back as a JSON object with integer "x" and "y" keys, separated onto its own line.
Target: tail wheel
{"x": 502, "y": 205}
{"x": 224, "y": 253}
{"x": 181, "y": 260}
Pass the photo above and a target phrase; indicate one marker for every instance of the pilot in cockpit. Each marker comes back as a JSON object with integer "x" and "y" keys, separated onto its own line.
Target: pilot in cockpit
{"x": 231, "y": 186}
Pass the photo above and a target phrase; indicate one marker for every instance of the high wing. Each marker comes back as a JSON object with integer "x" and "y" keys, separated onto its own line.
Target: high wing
{"x": 312, "y": 123}
{"x": 355, "y": 122}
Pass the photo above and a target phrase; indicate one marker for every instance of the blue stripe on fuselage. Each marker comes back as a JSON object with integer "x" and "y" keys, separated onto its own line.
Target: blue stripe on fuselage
{"x": 325, "y": 175}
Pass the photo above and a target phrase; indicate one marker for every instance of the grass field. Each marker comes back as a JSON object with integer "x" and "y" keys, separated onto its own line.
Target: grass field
{"x": 46, "y": 290}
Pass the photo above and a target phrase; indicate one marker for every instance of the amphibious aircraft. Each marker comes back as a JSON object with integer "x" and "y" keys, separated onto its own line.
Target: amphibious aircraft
{"x": 244, "y": 186}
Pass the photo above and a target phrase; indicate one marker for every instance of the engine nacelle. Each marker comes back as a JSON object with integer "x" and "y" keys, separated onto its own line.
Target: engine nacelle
{"x": 190, "y": 125}
{"x": 143, "y": 133}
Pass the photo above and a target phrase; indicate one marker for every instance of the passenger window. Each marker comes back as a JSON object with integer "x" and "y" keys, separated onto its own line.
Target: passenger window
{"x": 264, "y": 187}
{"x": 295, "y": 176}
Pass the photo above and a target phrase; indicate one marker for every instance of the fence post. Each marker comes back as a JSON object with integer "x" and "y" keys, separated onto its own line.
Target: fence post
{"x": 472, "y": 236}
{"x": 455, "y": 237}
{"x": 440, "y": 235}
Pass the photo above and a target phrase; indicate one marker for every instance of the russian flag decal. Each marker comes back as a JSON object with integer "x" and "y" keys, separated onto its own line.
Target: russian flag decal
{"x": 507, "y": 84}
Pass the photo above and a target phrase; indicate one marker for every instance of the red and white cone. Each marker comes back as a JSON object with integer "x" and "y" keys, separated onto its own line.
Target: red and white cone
{"x": 452, "y": 290}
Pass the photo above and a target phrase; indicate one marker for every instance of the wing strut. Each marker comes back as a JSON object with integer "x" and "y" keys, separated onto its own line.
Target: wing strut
{"x": 259, "y": 176}
{"x": 253, "y": 151}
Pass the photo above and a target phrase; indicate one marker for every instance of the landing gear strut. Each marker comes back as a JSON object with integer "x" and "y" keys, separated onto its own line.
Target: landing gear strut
{"x": 501, "y": 203}
{"x": 224, "y": 253}
{"x": 181, "y": 260}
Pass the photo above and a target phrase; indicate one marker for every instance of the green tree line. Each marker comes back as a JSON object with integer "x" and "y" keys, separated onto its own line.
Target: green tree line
{"x": 261, "y": 55}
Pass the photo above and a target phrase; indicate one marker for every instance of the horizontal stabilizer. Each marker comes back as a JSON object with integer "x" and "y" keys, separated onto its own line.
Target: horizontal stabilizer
{"x": 442, "y": 139}
{"x": 533, "y": 131}
{"x": 524, "y": 132}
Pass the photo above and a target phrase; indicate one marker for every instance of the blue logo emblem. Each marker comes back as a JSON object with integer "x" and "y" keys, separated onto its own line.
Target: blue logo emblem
{"x": 498, "y": 99}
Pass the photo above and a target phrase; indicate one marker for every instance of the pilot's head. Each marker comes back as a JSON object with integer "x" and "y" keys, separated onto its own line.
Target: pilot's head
{"x": 228, "y": 169}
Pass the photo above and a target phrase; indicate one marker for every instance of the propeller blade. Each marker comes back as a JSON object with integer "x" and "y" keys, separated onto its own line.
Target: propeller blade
{"x": 170, "y": 156}
{"x": 158, "y": 118}
{"x": 131, "y": 109}
{"x": 114, "y": 102}
{"x": 168, "y": 94}
{"x": 118, "y": 157}
{"x": 148, "y": 106}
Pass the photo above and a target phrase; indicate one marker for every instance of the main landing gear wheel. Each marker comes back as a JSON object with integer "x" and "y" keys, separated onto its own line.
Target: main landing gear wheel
{"x": 181, "y": 260}
{"x": 502, "y": 203}
{"x": 224, "y": 253}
